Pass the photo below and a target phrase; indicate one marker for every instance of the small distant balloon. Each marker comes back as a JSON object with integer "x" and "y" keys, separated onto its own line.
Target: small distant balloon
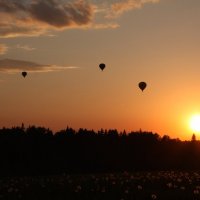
{"x": 24, "y": 74}
{"x": 142, "y": 85}
{"x": 102, "y": 66}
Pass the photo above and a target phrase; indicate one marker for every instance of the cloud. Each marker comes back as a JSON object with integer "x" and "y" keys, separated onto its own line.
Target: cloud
{"x": 38, "y": 17}
{"x": 25, "y": 47}
{"x": 60, "y": 15}
{"x": 14, "y": 28}
{"x": 118, "y": 8}
{"x": 105, "y": 26}
{"x": 3, "y": 49}
{"x": 14, "y": 66}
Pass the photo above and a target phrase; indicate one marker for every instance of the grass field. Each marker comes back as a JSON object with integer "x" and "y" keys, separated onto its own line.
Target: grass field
{"x": 120, "y": 186}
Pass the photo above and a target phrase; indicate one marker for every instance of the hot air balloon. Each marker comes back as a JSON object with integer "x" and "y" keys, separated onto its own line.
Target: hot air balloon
{"x": 102, "y": 66}
{"x": 24, "y": 74}
{"x": 142, "y": 85}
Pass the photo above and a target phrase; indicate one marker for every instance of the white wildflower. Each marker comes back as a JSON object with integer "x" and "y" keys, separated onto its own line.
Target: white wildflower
{"x": 182, "y": 188}
{"x": 139, "y": 187}
{"x": 153, "y": 196}
{"x": 196, "y": 191}
{"x": 169, "y": 185}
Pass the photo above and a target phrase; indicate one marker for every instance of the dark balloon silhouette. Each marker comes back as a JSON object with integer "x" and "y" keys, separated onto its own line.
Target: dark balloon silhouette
{"x": 24, "y": 74}
{"x": 102, "y": 66}
{"x": 142, "y": 85}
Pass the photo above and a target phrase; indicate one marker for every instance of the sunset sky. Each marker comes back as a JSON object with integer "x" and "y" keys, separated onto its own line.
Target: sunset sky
{"x": 60, "y": 43}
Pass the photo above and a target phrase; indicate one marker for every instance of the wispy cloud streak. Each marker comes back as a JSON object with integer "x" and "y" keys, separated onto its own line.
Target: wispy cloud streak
{"x": 13, "y": 66}
{"x": 120, "y": 7}
{"x": 3, "y": 49}
{"x": 25, "y": 47}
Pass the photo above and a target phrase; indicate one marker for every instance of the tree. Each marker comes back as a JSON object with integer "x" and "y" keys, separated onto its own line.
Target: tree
{"x": 193, "y": 138}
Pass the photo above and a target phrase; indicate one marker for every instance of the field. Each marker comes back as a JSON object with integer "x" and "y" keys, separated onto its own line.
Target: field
{"x": 120, "y": 186}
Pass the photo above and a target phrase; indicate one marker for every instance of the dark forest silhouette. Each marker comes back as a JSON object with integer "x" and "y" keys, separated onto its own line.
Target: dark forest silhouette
{"x": 37, "y": 150}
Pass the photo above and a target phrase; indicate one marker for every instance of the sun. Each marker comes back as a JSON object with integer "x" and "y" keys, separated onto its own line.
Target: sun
{"x": 195, "y": 123}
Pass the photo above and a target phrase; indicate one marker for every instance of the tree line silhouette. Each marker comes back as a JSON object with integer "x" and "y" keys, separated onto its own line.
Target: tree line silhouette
{"x": 37, "y": 151}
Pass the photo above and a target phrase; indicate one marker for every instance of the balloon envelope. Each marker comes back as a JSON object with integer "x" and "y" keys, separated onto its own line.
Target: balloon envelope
{"x": 102, "y": 66}
{"x": 24, "y": 74}
{"x": 142, "y": 85}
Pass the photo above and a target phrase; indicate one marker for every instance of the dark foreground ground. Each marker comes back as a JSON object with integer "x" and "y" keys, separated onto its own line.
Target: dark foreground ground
{"x": 120, "y": 186}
